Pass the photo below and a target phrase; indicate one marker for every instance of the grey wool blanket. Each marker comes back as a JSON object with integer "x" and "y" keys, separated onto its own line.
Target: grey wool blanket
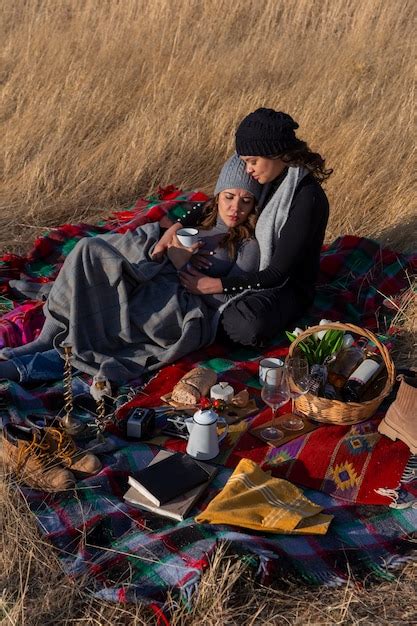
{"x": 123, "y": 313}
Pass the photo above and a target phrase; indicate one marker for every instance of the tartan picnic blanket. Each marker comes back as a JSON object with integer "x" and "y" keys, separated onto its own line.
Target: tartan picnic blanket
{"x": 131, "y": 555}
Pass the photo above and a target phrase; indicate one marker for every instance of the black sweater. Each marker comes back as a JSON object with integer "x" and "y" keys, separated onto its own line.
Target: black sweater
{"x": 296, "y": 257}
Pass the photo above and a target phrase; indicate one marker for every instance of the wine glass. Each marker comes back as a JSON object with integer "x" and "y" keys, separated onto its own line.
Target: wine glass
{"x": 275, "y": 393}
{"x": 299, "y": 384}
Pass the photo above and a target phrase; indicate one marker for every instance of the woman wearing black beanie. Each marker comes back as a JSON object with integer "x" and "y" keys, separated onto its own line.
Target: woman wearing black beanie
{"x": 290, "y": 231}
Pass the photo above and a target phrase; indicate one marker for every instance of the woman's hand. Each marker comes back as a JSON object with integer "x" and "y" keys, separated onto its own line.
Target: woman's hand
{"x": 158, "y": 252}
{"x": 201, "y": 260}
{"x": 198, "y": 283}
{"x": 180, "y": 255}
{"x": 160, "y": 248}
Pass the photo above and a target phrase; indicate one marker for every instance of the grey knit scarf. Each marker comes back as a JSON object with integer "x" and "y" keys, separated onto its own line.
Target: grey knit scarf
{"x": 273, "y": 217}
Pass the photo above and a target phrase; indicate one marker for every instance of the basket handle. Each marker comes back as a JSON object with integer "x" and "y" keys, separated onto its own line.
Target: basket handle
{"x": 358, "y": 331}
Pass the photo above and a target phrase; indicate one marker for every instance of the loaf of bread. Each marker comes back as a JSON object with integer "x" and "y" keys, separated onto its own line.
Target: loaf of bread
{"x": 195, "y": 384}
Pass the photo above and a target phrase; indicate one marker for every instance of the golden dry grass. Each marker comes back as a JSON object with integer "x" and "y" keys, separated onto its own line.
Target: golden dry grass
{"x": 104, "y": 100}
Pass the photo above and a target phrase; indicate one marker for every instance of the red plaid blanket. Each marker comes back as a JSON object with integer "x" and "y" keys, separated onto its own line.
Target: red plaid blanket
{"x": 127, "y": 554}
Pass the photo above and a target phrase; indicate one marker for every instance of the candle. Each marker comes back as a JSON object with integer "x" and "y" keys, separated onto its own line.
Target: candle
{"x": 222, "y": 391}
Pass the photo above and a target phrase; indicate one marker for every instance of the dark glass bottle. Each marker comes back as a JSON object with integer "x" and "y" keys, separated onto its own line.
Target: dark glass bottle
{"x": 361, "y": 378}
{"x": 345, "y": 363}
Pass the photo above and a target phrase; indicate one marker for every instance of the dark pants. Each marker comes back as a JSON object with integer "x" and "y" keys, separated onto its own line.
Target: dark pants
{"x": 256, "y": 318}
{"x": 40, "y": 366}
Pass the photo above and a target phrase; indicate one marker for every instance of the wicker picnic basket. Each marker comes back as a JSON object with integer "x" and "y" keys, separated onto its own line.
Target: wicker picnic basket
{"x": 335, "y": 411}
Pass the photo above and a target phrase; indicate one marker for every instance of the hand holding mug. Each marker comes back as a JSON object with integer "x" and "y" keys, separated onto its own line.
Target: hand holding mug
{"x": 178, "y": 254}
{"x": 187, "y": 236}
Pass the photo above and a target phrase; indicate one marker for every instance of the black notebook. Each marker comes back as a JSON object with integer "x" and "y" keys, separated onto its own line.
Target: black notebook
{"x": 171, "y": 477}
{"x": 179, "y": 507}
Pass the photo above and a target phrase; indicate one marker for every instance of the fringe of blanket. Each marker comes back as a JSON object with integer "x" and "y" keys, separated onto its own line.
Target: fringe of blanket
{"x": 401, "y": 499}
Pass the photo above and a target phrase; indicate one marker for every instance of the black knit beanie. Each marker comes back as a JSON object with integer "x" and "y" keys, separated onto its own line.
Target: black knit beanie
{"x": 266, "y": 132}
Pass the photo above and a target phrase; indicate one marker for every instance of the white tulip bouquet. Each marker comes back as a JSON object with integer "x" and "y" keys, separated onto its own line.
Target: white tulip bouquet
{"x": 317, "y": 348}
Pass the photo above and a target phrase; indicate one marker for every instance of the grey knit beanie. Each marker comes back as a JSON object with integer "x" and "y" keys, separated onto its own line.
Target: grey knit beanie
{"x": 233, "y": 176}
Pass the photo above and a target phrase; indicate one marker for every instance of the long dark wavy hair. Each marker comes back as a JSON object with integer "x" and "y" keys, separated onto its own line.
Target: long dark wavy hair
{"x": 302, "y": 155}
{"x": 236, "y": 234}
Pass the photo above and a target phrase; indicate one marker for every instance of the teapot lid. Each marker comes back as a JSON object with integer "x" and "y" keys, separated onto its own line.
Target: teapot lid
{"x": 205, "y": 417}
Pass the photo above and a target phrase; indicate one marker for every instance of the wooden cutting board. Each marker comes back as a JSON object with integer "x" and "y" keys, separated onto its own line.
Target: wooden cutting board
{"x": 231, "y": 414}
{"x": 289, "y": 435}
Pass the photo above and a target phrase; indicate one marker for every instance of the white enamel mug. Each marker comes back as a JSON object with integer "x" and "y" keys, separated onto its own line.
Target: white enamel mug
{"x": 269, "y": 364}
{"x": 187, "y": 236}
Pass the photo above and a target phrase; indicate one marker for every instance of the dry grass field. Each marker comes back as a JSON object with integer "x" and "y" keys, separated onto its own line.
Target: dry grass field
{"x": 105, "y": 100}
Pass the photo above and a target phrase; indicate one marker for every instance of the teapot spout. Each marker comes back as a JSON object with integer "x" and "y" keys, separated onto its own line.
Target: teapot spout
{"x": 189, "y": 422}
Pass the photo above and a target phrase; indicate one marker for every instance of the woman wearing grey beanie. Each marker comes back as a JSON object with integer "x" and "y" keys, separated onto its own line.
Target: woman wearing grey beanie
{"x": 290, "y": 231}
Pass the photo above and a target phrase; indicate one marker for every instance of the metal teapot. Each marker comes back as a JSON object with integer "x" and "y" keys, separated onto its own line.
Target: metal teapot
{"x": 203, "y": 442}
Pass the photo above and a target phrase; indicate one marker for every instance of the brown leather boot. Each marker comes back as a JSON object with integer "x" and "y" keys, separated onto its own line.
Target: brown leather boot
{"x": 29, "y": 457}
{"x": 400, "y": 422}
{"x": 63, "y": 448}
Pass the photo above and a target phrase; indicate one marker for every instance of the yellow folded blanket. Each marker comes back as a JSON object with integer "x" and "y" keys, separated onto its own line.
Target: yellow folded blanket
{"x": 251, "y": 498}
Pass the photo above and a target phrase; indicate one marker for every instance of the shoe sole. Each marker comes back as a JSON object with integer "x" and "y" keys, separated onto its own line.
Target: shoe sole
{"x": 397, "y": 433}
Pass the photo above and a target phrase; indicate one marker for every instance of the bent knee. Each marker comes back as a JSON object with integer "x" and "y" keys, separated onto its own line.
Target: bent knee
{"x": 242, "y": 327}
{"x": 89, "y": 243}
{"x": 89, "y": 249}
